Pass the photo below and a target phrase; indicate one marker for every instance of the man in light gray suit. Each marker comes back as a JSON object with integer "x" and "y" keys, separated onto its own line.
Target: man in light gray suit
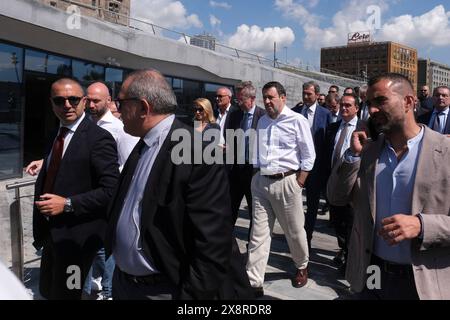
{"x": 398, "y": 184}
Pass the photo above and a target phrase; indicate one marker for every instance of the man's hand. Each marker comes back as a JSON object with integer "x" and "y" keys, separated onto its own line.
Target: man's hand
{"x": 51, "y": 204}
{"x": 34, "y": 167}
{"x": 301, "y": 178}
{"x": 400, "y": 227}
{"x": 359, "y": 140}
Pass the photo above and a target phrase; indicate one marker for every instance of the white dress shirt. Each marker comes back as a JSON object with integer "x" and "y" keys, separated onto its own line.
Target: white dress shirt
{"x": 283, "y": 144}
{"x": 221, "y": 119}
{"x": 72, "y": 128}
{"x": 125, "y": 142}
{"x": 309, "y": 113}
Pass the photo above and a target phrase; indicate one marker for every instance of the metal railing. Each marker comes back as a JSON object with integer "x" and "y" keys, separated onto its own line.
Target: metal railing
{"x": 310, "y": 70}
{"x": 17, "y": 250}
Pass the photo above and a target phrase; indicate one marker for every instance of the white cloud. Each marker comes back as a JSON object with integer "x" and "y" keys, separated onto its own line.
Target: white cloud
{"x": 223, "y": 5}
{"x": 296, "y": 11}
{"x": 214, "y": 21}
{"x": 429, "y": 29}
{"x": 164, "y": 13}
{"x": 256, "y": 40}
{"x": 352, "y": 18}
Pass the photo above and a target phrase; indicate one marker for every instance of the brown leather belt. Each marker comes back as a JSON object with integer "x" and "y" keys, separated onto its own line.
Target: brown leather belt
{"x": 281, "y": 175}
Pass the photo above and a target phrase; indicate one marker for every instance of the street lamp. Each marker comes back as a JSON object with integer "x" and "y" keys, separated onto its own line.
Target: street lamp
{"x": 285, "y": 48}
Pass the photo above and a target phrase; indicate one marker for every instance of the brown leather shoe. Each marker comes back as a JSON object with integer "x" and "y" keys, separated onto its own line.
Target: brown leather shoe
{"x": 300, "y": 279}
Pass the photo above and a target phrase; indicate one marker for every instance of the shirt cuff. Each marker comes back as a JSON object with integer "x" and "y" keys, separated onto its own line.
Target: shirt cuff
{"x": 420, "y": 236}
{"x": 349, "y": 157}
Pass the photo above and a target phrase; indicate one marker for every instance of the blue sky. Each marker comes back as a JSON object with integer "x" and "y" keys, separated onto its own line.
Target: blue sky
{"x": 301, "y": 27}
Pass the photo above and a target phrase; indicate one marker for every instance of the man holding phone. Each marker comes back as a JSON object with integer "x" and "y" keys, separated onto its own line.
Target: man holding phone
{"x": 398, "y": 187}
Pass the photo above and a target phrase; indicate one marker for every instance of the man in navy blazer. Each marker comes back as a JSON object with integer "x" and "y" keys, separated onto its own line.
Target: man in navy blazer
{"x": 319, "y": 119}
{"x": 241, "y": 174}
{"x": 72, "y": 195}
{"x": 441, "y": 98}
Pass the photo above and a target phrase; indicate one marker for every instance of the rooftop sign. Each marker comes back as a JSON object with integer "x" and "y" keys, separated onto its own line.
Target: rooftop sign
{"x": 359, "y": 37}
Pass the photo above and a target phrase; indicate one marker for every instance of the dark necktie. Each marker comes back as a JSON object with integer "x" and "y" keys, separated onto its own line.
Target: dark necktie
{"x": 339, "y": 144}
{"x": 55, "y": 160}
{"x": 437, "y": 123}
{"x": 245, "y": 126}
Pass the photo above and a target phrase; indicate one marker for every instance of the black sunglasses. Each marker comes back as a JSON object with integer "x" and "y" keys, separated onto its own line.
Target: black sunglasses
{"x": 198, "y": 110}
{"x": 61, "y": 101}
{"x": 120, "y": 102}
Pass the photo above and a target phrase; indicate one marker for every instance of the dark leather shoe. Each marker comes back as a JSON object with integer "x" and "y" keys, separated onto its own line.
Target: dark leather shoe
{"x": 300, "y": 279}
{"x": 339, "y": 259}
{"x": 258, "y": 291}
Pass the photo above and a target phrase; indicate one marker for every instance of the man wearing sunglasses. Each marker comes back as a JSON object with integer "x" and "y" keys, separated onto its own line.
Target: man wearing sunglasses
{"x": 72, "y": 192}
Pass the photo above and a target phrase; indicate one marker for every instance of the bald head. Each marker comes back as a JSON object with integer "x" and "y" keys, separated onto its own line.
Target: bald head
{"x": 98, "y": 99}
{"x": 64, "y": 82}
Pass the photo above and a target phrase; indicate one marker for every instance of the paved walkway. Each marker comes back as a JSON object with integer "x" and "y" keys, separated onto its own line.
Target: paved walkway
{"x": 324, "y": 281}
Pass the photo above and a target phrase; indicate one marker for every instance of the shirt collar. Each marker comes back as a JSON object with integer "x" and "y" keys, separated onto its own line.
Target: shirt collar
{"x": 444, "y": 111}
{"x": 312, "y": 107}
{"x": 74, "y": 125}
{"x": 156, "y": 133}
{"x": 352, "y": 122}
{"x": 251, "y": 111}
{"x": 413, "y": 141}
{"x": 108, "y": 117}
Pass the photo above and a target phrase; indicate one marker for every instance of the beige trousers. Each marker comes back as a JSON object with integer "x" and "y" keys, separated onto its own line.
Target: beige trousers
{"x": 280, "y": 199}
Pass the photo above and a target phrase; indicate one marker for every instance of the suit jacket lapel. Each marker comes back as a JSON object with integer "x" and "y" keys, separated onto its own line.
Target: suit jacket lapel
{"x": 371, "y": 159}
{"x": 447, "y": 125}
{"x": 430, "y": 157}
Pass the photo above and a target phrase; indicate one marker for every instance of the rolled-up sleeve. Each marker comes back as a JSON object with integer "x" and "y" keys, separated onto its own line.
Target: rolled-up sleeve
{"x": 306, "y": 145}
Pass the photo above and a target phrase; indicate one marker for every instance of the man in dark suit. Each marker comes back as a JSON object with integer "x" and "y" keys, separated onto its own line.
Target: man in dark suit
{"x": 425, "y": 101}
{"x": 170, "y": 220}
{"x": 72, "y": 192}
{"x": 224, "y": 108}
{"x": 438, "y": 119}
{"x": 319, "y": 118}
{"x": 242, "y": 171}
{"x": 337, "y": 140}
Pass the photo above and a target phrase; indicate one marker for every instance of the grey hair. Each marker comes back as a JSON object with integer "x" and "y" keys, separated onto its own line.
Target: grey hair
{"x": 152, "y": 86}
{"x": 247, "y": 89}
{"x": 229, "y": 93}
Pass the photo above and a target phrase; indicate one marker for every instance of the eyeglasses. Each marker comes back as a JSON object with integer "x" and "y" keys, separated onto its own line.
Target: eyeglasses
{"x": 121, "y": 102}
{"x": 200, "y": 110}
{"x": 61, "y": 101}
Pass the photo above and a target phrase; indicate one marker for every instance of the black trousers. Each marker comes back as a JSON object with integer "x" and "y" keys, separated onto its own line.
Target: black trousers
{"x": 64, "y": 268}
{"x": 342, "y": 217}
{"x": 396, "y": 283}
{"x": 240, "y": 186}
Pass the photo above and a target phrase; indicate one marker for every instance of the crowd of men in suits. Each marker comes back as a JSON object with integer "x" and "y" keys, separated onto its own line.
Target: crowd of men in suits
{"x": 109, "y": 188}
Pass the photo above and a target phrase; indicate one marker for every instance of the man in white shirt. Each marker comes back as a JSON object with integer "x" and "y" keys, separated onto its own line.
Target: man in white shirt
{"x": 284, "y": 154}
{"x": 97, "y": 102}
{"x": 224, "y": 107}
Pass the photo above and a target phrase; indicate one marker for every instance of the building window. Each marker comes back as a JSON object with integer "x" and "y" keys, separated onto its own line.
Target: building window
{"x": 87, "y": 72}
{"x": 11, "y": 66}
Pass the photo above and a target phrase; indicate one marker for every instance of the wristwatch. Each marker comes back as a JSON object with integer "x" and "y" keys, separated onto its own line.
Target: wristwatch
{"x": 68, "y": 205}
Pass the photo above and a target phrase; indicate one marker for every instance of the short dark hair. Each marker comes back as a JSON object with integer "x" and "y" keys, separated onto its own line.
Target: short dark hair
{"x": 316, "y": 86}
{"x": 355, "y": 98}
{"x": 278, "y": 86}
{"x": 335, "y": 87}
{"x": 397, "y": 78}
{"x": 440, "y": 87}
{"x": 66, "y": 80}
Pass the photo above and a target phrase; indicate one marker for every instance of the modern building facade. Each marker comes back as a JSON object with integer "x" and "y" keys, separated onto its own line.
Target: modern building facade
{"x": 433, "y": 74}
{"x": 43, "y": 48}
{"x": 115, "y": 11}
{"x": 206, "y": 41}
{"x": 367, "y": 59}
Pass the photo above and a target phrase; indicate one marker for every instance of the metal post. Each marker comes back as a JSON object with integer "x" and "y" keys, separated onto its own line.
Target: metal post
{"x": 17, "y": 236}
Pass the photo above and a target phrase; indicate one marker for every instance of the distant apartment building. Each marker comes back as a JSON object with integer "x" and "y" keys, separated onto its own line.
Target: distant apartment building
{"x": 364, "y": 58}
{"x": 433, "y": 74}
{"x": 115, "y": 11}
{"x": 206, "y": 41}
